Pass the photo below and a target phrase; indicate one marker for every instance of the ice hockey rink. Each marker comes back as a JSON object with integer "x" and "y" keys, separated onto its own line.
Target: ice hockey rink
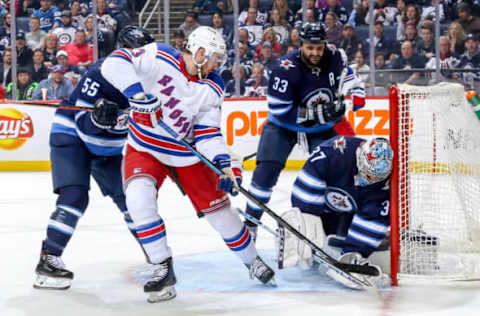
{"x": 109, "y": 266}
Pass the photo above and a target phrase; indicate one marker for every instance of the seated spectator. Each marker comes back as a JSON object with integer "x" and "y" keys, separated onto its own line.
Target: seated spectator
{"x": 426, "y": 46}
{"x": 412, "y": 15}
{"x": 257, "y": 85}
{"x": 270, "y": 37}
{"x": 447, "y": 61}
{"x": 35, "y": 37}
{"x": 57, "y": 87}
{"x": 410, "y": 35}
{"x": 179, "y": 40}
{"x": 456, "y": 36}
{"x": 279, "y": 26}
{"x": 294, "y": 38}
{"x": 189, "y": 23}
{"x": 333, "y": 29}
{"x": 78, "y": 20}
{"x": 322, "y": 4}
{"x": 62, "y": 59}
{"x": 49, "y": 16}
{"x": 245, "y": 56}
{"x": 310, "y": 4}
{"x": 6, "y": 67}
{"x": 26, "y": 8}
{"x": 208, "y": 6}
{"x": 254, "y": 28}
{"x": 220, "y": 27}
{"x": 360, "y": 66}
{"x": 408, "y": 60}
{"x": 349, "y": 42}
{"x": 243, "y": 36}
{"x": 359, "y": 14}
{"x": 38, "y": 70}
{"x": 428, "y": 12}
{"x": 340, "y": 11}
{"x": 5, "y": 32}
{"x": 79, "y": 53}
{"x": 382, "y": 44}
{"x": 104, "y": 20}
{"x": 286, "y": 14}
{"x": 261, "y": 16}
{"x": 25, "y": 85}
{"x": 89, "y": 30}
{"x": 118, "y": 10}
{"x": 73, "y": 77}
{"x": 383, "y": 12}
{"x": 24, "y": 53}
{"x": 49, "y": 48}
{"x": 230, "y": 87}
{"x": 382, "y": 79}
{"x": 66, "y": 32}
{"x": 267, "y": 58}
{"x": 470, "y": 59}
{"x": 470, "y": 23}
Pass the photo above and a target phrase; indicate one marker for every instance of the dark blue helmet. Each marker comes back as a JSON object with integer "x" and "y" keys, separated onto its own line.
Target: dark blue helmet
{"x": 313, "y": 33}
{"x": 132, "y": 36}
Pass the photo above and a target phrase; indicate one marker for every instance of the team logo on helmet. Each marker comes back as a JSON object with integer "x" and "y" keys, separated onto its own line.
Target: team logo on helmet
{"x": 339, "y": 200}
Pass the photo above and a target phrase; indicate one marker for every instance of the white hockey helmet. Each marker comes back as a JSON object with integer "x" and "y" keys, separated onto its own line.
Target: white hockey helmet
{"x": 374, "y": 161}
{"x": 212, "y": 41}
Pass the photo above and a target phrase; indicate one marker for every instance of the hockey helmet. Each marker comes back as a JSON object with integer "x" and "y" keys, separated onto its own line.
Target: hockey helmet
{"x": 313, "y": 33}
{"x": 212, "y": 41}
{"x": 132, "y": 36}
{"x": 374, "y": 161}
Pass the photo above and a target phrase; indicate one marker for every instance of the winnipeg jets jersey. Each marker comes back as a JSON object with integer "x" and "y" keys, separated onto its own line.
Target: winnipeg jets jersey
{"x": 189, "y": 105}
{"x": 294, "y": 88}
{"x": 327, "y": 185}
{"x": 101, "y": 142}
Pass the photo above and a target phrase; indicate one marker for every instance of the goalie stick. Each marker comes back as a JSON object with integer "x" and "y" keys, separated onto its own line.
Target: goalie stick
{"x": 343, "y": 270}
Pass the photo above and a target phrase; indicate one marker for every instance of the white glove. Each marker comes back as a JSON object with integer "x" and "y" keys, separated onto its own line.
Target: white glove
{"x": 146, "y": 109}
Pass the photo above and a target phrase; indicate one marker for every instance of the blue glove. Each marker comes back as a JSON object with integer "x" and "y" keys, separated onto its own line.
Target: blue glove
{"x": 232, "y": 177}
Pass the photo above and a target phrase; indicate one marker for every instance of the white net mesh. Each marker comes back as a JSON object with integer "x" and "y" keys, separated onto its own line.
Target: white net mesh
{"x": 439, "y": 183}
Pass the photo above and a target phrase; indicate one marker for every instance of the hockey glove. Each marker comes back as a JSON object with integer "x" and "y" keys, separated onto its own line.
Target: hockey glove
{"x": 105, "y": 114}
{"x": 232, "y": 178}
{"x": 146, "y": 109}
{"x": 331, "y": 112}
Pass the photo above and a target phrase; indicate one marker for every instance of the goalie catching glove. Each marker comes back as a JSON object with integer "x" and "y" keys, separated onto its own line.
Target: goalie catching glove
{"x": 105, "y": 114}
{"x": 232, "y": 177}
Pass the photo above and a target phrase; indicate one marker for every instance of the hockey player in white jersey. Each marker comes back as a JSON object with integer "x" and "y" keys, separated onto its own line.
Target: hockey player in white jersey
{"x": 184, "y": 91}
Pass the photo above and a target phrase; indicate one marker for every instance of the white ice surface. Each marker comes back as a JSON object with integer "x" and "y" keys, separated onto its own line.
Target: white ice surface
{"x": 108, "y": 266}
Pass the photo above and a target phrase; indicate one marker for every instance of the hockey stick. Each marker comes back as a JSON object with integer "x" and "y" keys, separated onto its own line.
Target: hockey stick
{"x": 249, "y": 156}
{"x": 49, "y": 104}
{"x": 257, "y": 222}
{"x": 341, "y": 269}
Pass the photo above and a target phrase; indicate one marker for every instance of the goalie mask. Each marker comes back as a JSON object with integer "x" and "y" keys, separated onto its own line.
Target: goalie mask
{"x": 209, "y": 39}
{"x": 374, "y": 161}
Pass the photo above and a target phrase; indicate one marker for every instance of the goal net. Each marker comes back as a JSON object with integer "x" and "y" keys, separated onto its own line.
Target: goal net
{"x": 435, "y": 199}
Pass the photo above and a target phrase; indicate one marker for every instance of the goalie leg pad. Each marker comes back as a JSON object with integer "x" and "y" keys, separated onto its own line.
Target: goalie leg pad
{"x": 290, "y": 250}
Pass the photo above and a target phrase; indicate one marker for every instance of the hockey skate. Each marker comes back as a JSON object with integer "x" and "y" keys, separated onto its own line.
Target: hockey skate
{"x": 161, "y": 286}
{"x": 51, "y": 272}
{"x": 258, "y": 269}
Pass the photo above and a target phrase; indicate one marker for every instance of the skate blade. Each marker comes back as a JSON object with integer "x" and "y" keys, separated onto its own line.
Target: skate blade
{"x": 271, "y": 283}
{"x": 50, "y": 283}
{"x": 165, "y": 294}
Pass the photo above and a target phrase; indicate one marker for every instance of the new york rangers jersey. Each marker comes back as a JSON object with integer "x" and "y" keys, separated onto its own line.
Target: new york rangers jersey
{"x": 101, "y": 142}
{"x": 327, "y": 187}
{"x": 294, "y": 88}
{"x": 189, "y": 105}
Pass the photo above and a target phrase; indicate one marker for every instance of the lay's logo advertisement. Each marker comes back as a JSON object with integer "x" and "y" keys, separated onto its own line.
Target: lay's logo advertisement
{"x": 15, "y": 128}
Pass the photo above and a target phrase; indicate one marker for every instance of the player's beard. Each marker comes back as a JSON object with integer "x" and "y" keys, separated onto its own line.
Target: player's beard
{"x": 311, "y": 61}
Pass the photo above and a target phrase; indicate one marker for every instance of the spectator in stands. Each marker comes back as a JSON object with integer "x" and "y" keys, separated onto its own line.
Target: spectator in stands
{"x": 6, "y": 67}
{"x": 340, "y": 11}
{"x": 38, "y": 70}
{"x": 359, "y": 13}
{"x": 447, "y": 61}
{"x": 35, "y": 37}
{"x": 230, "y": 87}
{"x": 333, "y": 28}
{"x": 382, "y": 43}
{"x": 25, "y": 86}
{"x": 322, "y": 4}
{"x": 208, "y": 6}
{"x": 26, "y": 8}
{"x": 411, "y": 15}
{"x": 428, "y": 12}
{"x": 267, "y": 58}
{"x": 382, "y": 79}
{"x": 58, "y": 88}
{"x": 426, "y": 45}
{"x": 49, "y": 16}
{"x": 457, "y": 36}
{"x": 78, "y": 20}
{"x": 310, "y": 4}
{"x": 410, "y": 35}
{"x": 62, "y": 59}
{"x": 179, "y": 40}
{"x": 5, "y": 32}
{"x": 66, "y": 32}
{"x": 225, "y": 30}
{"x": 73, "y": 77}
{"x": 285, "y": 13}
{"x": 24, "y": 53}
{"x": 89, "y": 29}
{"x": 294, "y": 38}
{"x": 270, "y": 37}
{"x": 349, "y": 42}
{"x": 105, "y": 21}
{"x": 256, "y": 86}
{"x": 245, "y": 56}
{"x": 360, "y": 66}
{"x": 243, "y": 36}
{"x": 49, "y": 48}
{"x": 261, "y": 16}
{"x": 189, "y": 23}
{"x": 383, "y": 12}
{"x": 470, "y": 23}
{"x": 255, "y": 29}
{"x": 470, "y": 58}
{"x": 279, "y": 26}
{"x": 79, "y": 53}
{"x": 118, "y": 10}
{"x": 408, "y": 60}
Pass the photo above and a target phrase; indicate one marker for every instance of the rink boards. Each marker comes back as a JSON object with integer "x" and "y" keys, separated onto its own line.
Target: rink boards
{"x": 24, "y": 131}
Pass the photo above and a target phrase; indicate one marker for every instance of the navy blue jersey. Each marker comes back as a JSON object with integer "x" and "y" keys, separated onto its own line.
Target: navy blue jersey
{"x": 294, "y": 86}
{"x": 92, "y": 86}
{"x": 327, "y": 185}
